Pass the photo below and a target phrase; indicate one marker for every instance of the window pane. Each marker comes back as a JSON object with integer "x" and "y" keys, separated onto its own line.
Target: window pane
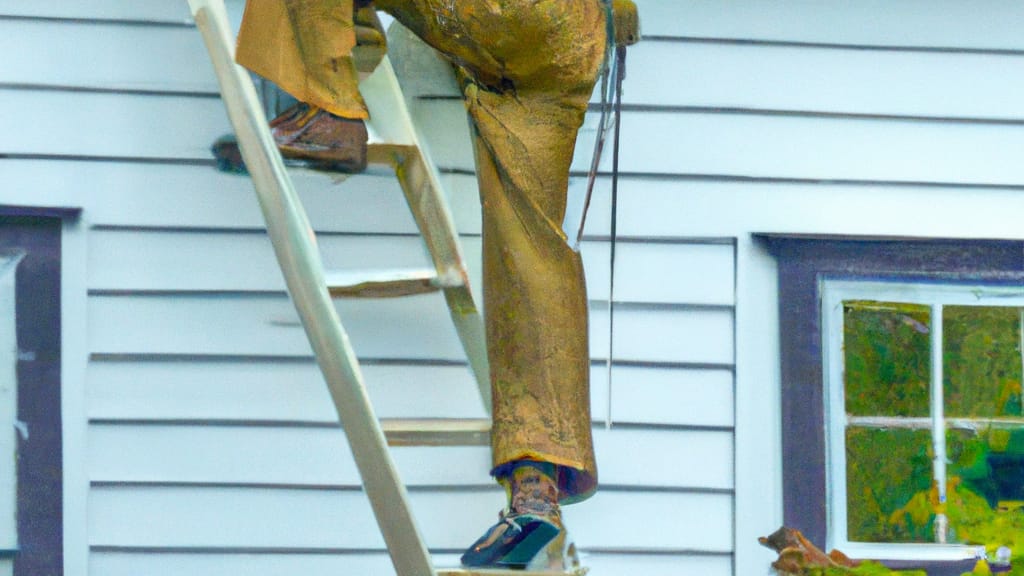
{"x": 981, "y": 361}
{"x": 888, "y": 479}
{"x": 986, "y": 493}
{"x": 886, "y": 358}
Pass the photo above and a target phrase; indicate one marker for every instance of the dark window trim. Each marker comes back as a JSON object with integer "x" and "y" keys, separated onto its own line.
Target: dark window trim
{"x": 803, "y": 262}
{"x": 38, "y": 325}
{"x": 11, "y": 211}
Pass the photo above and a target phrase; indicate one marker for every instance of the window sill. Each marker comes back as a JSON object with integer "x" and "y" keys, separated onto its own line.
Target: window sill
{"x": 911, "y": 552}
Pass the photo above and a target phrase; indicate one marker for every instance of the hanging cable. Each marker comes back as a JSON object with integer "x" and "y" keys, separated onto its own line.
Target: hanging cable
{"x": 620, "y": 74}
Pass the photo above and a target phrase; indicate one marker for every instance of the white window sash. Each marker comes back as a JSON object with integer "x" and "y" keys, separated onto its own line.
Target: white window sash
{"x": 8, "y": 403}
{"x": 938, "y": 420}
{"x": 834, "y": 293}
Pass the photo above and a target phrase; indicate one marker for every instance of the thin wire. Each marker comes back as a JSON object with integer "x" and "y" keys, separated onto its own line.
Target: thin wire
{"x": 609, "y": 71}
{"x": 620, "y": 74}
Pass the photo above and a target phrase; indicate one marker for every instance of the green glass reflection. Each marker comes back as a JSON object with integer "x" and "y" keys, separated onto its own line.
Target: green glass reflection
{"x": 888, "y": 481}
{"x": 981, "y": 361}
{"x": 886, "y": 358}
{"x": 986, "y": 487}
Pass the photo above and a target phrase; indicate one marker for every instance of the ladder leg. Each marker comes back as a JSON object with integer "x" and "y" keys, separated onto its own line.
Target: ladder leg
{"x": 296, "y": 252}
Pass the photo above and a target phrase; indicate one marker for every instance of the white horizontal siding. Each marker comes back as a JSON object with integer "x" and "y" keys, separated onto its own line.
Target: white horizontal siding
{"x": 140, "y": 260}
{"x": 703, "y": 73}
{"x": 284, "y": 391}
{"x": 988, "y": 24}
{"x": 991, "y": 24}
{"x": 148, "y": 10}
{"x": 677, "y": 281}
{"x": 119, "y": 563}
{"x": 268, "y": 455}
{"x": 822, "y": 148}
{"x": 786, "y": 146}
{"x": 110, "y": 55}
{"x": 127, "y": 194}
{"x": 696, "y": 336}
{"x": 130, "y": 260}
{"x": 658, "y": 565}
{"x": 287, "y": 392}
{"x": 831, "y": 80}
{"x": 264, "y": 455}
{"x": 664, "y": 207}
{"x": 105, "y": 55}
{"x": 157, "y": 127}
{"x": 327, "y": 519}
{"x": 672, "y": 396}
{"x": 111, "y": 563}
{"x": 270, "y": 391}
{"x": 414, "y": 327}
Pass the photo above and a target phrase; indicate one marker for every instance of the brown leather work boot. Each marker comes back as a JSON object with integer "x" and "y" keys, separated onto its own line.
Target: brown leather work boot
{"x": 314, "y": 137}
{"x": 328, "y": 142}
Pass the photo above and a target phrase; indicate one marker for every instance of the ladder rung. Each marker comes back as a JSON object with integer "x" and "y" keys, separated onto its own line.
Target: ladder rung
{"x": 388, "y": 283}
{"x": 437, "y": 431}
{"x": 581, "y": 571}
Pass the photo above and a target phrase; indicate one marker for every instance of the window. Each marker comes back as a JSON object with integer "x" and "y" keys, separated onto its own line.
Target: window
{"x": 30, "y": 351}
{"x": 880, "y": 341}
{"x": 8, "y": 411}
{"x": 925, "y": 438}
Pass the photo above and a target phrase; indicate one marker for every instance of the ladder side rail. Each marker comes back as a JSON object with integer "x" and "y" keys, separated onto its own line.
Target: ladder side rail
{"x": 294, "y": 244}
{"x": 421, "y": 184}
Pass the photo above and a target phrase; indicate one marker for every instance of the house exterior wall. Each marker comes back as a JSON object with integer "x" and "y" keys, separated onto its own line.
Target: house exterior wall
{"x": 198, "y": 435}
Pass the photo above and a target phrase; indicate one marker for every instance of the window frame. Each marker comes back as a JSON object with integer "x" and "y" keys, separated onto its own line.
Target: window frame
{"x": 802, "y": 263}
{"x": 936, "y": 296}
{"x": 39, "y": 301}
{"x": 9, "y": 260}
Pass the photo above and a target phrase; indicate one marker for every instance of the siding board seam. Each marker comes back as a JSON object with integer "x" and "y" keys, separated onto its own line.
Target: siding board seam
{"x": 752, "y": 179}
{"x": 268, "y": 550}
{"x": 605, "y": 551}
{"x": 773, "y": 112}
{"x": 228, "y": 231}
{"x": 114, "y": 89}
{"x": 749, "y": 179}
{"x": 793, "y": 113}
{"x": 357, "y": 488}
{"x": 211, "y": 162}
{"x": 335, "y": 425}
{"x": 308, "y": 359}
{"x": 183, "y": 23}
{"x": 831, "y": 45}
{"x": 629, "y": 305}
{"x": 261, "y": 358}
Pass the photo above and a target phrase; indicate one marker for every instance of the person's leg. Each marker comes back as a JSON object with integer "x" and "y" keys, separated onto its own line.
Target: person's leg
{"x": 535, "y": 302}
{"x": 530, "y": 68}
{"x": 305, "y": 47}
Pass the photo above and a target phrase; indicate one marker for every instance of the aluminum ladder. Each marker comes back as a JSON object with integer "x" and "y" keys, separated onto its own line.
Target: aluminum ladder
{"x": 393, "y": 142}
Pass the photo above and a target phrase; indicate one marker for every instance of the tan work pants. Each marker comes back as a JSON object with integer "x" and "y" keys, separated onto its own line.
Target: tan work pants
{"x": 528, "y": 69}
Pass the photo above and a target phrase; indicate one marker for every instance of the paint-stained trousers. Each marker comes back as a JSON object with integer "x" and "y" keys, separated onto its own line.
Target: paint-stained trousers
{"x": 528, "y": 68}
